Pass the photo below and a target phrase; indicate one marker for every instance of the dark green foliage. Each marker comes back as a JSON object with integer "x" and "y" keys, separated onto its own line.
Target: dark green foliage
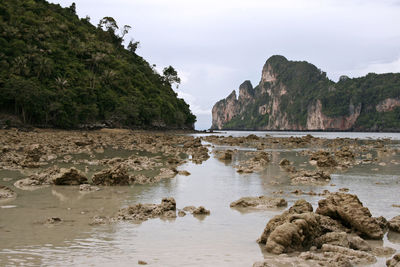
{"x": 59, "y": 70}
{"x": 304, "y": 83}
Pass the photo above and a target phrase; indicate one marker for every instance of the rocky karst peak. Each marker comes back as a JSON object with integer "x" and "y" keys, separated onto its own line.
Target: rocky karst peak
{"x": 246, "y": 91}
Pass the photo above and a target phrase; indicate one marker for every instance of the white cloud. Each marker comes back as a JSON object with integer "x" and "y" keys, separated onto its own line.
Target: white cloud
{"x": 191, "y": 100}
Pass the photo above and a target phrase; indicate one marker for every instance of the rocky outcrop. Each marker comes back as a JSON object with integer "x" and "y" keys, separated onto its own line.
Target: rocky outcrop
{"x": 316, "y": 120}
{"x": 349, "y": 210}
{"x": 335, "y": 228}
{"x": 224, "y": 110}
{"x": 296, "y": 95}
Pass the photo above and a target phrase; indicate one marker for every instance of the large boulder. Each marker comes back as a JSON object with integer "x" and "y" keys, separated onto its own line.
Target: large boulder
{"x": 301, "y": 206}
{"x": 297, "y": 233}
{"x": 70, "y": 176}
{"x": 117, "y": 175}
{"x": 349, "y": 210}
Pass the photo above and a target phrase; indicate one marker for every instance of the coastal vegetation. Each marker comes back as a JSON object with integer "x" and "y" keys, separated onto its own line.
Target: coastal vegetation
{"x": 59, "y": 70}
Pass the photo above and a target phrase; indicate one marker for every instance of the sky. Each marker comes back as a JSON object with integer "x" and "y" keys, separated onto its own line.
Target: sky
{"x": 215, "y": 45}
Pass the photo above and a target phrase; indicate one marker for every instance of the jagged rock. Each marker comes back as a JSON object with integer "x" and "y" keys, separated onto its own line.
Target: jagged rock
{"x": 394, "y": 262}
{"x": 201, "y": 211}
{"x": 6, "y": 192}
{"x": 297, "y": 233}
{"x": 143, "y": 212}
{"x": 394, "y": 224}
{"x": 70, "y": 176}
{"x": 300, "y": 206}
{"x": 259, "y": 202}
{"x": 358, "y": 243}
{"x": 323, "y": 159}
{"x": 52, "y": 175}
{"x": 383, "y": 223}
{"x": 332, "y": 238}
{"x": 339, "y": 256}
{"x": 349, "y": 210}
{"x": 284, "y": 162}
{"x": 310, "y": 177}
{"x": 117, "y": 175}
{"x": 344, "y": 154}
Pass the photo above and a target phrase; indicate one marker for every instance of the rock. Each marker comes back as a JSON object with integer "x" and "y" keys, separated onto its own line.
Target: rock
{"x": 358, "y": 243}
{"x": 284, "y": 162}
{"x": 166, "y": 173}
{"x": 6, "y": 192}
{"x": 88, "y": 188}
{"x": 332, "y": 238}
{"x": 143, "y": 212}
{"x": 344, "y": 154}
{"x": 70, "y": 176}
{"x": 394, "y": 224}
{"x": 394, "y": 262}
{"x": 196, "y": 211}
{"x": 323, "y": 159}
{"x": 185, "y": 173}
{"x": 383, "y": 223}
{"x": 53, "y": 220}
{"x": 140, "y": 262}
{"x": 201, "y": 211}
{"x": 117, "y": 175}
{"x": 297, "y": 233}
{"x": 181, "y": 213}
{"x": 360, "y": 257}
{"x": 52, "y": 175}
{"x": 259, "y": 202}
{"x": 310, "y": 177}
{"x": 338, "y": 256}
{"x": 349, "y": 210}
{"x": 225, "y": 155}
{"x": 300, "y": 206}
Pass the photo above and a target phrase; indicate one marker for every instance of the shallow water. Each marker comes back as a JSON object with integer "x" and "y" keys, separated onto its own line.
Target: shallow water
{"x": 225, "y": 238}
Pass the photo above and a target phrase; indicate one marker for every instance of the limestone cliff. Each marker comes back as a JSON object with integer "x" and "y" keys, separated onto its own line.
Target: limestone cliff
{"x": 296, "y": 95}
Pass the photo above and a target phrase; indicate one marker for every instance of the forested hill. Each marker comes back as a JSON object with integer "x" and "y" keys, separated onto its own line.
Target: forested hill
{"x": 57, "y": 70}
{"x": 296, "y": 95}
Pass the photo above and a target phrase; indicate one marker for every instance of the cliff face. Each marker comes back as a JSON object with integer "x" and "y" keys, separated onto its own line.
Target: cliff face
{"x": 298, "y": 96}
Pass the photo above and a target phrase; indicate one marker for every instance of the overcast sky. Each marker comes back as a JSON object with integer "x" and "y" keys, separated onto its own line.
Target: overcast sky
{"x": 217, "y": 44}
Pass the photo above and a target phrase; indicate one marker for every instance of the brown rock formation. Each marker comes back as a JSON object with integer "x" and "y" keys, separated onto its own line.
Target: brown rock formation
{"x": 349, "y": 211}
